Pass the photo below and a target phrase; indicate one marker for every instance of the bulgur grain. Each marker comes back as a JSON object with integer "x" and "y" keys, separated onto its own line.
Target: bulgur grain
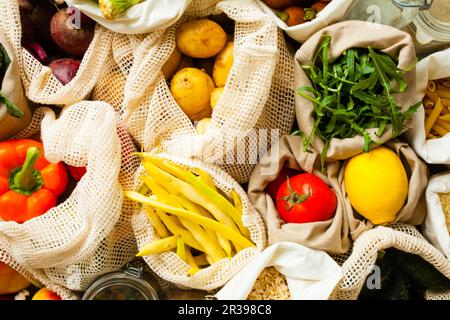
{"x": 270, "y": 285}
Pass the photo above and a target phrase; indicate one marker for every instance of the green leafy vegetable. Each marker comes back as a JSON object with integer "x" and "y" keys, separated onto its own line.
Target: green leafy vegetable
{"x": 353, "y": 94}
{"x": 11, "y": 107}
{"x": 4, "y": 63}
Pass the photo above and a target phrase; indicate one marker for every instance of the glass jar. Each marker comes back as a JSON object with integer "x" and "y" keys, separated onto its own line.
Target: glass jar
{"x": 130, "y": 284}
{"x": 395, "y": 13}
{"x": 431, "y": 28}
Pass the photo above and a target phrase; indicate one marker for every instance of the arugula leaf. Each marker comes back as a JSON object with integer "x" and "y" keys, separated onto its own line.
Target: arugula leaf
{"x": 352, "y": 94}
{"x": 11, "y": 107}
{"x": 5, "y": 61}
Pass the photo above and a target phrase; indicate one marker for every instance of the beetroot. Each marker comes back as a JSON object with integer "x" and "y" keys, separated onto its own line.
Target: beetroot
{"x": 68, "y": 37}
{"x": 41, "y": 17}
{"x": 37, "y": 51}
{"x": 65, "y": 69}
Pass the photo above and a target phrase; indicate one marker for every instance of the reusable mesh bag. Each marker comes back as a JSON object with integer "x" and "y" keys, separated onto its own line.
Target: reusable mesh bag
{"x": 170, "y": 267}
{"x": 90, "y": 233}
{"x": 40, "y": 84}
{"x": 37, "y": 277}
{"x": 258, "y": 94}
{"x": 365, "y": 251}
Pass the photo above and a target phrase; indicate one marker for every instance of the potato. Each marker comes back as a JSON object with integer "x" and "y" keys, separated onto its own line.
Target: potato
{"x": 203, "y": 125}
{"x": 223, "y": 64}
{"x": 202, "y": 38}
{"x": 215, "y": 96}
{"x": 191, "y": 88}
{"x": 171, "y": 65}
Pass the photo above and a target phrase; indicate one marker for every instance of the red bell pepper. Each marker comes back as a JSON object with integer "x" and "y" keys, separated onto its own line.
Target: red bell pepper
{"x": 29, "y": 184}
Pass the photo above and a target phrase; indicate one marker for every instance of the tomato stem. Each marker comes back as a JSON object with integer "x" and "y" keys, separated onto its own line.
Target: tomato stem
{"x": 294, "y": 198}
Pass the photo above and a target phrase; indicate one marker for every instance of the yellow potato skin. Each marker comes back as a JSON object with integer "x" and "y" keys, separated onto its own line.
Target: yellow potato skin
{"x": 171, "y": 65}
{"x": 191, "y": 88}
{"x": 215, "y": 96}
{"x": 223, "y": 64}
{"x": 201, "y": 38}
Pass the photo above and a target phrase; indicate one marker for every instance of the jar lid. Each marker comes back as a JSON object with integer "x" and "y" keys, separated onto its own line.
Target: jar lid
{"x": 130, "y": 284}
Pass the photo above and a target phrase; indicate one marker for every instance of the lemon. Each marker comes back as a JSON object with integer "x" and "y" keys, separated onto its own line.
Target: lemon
{"x": 376, "y": 184}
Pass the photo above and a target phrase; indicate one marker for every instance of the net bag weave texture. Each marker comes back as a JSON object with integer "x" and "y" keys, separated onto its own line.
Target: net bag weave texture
{"x": 90, "y": 233}
{"x": 364, "y": 255}
{"x": 258, "y": 94}
{"x": 40, "y": 84}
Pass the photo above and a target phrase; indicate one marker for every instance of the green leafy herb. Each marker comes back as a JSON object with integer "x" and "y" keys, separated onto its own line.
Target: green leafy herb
{"x": 11, "y": 107}
{"x": 4, "y": 63}
{"x": 354, "y": 93}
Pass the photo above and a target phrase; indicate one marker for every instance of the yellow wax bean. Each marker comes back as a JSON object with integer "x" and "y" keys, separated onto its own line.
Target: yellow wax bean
{"x": 226, "y": 231}
{"x": 159, "y": 246}
{"x": 189, "y": 191}
{"x": 201, "y": 260}
{"x": 157, "y": 224}
{"x": 197, "y": 232}
{"x": 181, "y": 249}
{"x": 191, "y": 261}
{"x": 216, "y": 202}
{"x": 186, "y": 235}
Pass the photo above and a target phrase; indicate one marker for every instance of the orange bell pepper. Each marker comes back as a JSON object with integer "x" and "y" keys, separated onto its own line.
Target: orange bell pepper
{"x": 29, "y": 184}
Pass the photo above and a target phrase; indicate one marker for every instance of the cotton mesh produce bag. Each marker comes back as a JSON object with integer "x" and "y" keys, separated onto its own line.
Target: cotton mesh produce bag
{"x": 365, "y": 251}
{"x": 37, "y": 277}
{"x": 414, "y": 210}
{"x": 90, "y": 233}
{"x": 332, "y": 235}
{"x": 41, "y": 86}
{"x": 170, "y": 267}
{"x": 343, "y": 36}
{"x": 433, "y": 67}
{"x": 258, "y": 94}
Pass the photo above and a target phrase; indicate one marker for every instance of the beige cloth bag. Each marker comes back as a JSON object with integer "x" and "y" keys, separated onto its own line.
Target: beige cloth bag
{"x": 334, "y": 12}
{"x": 11, "y": 87}
{"x": 38, "y": 80}
{"x": 347, "y": 35}
{"x": 258, "y": 95}
{"x": 332, "y": 235}
{"x": 364, "y": 255}
{"x": 90, "y": 233}
{"x": 433, "y": 67}
{"x": 414, "y": 211}
{"x": 170, "y": 267}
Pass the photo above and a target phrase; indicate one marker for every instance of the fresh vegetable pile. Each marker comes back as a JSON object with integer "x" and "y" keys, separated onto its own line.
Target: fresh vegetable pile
{"x": 56, "y": 35}
{"x": 196, "y": 221}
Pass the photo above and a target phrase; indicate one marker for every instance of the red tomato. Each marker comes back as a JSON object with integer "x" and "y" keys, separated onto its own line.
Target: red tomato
{"x": 305, "y": 198}
{"x": 272, "y": 187}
